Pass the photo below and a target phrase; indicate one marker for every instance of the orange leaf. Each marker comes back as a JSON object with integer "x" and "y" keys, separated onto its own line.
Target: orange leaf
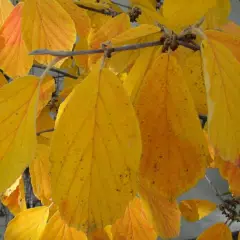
{"x": 219, "y": 231}
{"x": 134, "y": 224}
{"x": 163, "y": 213}
{"x": 231, "y": 28}
{"x": 13, "y": 47}
{"x": 194, "y": 210}
{"x": 174, "y": 148}
{"x": 56, "y": 32}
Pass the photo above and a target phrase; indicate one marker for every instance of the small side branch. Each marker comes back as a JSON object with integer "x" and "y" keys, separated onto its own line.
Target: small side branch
{"x": 45, "y": 131}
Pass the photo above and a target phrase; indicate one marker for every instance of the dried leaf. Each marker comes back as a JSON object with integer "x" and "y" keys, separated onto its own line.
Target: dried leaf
{"x": 28, "y": 224}
{"x": 196, "y": 209}
{"x": 58, "y": 229}
{"x": 13, "y": 47}
{"x": 18, "y": 101}
{"x": 222, "y": 84}
{"x": 57, "y": 31}
{"x": 218, "y": 231}
{"x": 96, "y": 156}
{"x": 174, "y": 148}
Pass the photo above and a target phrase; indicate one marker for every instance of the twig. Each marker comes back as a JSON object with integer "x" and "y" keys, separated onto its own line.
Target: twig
{"x": 63, "y": 74}
{"x": 49, "y": 66}
{"x": 121, "y": 5}
{"x": 218, "y": 194}
{"x": 45, "y": 131}
{"x": 101, "y": 50}
{"x": 189, "y": 45}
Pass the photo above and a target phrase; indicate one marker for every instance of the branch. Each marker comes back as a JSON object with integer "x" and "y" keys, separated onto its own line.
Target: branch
{"x": 110, "y": 50}
{"x": 45, "y": 131}
{"x": 121, "y": 5}
{"x": 64, "y": 74}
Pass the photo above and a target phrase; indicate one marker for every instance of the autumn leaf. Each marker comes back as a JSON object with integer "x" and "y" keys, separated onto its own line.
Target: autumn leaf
{"x": 134, "y": 224}
{"x": 3, "y": 80}
{"x": 163, "y": 213}
{"x": 28, "y": 224}
{"x": 196, "y": 209}
{"x": 231, "y": 28}
{"x": 57, "y": 31}
{"x": 174, "y": 148}
{"x": 18, "y": 101}
{"x": 178, "y": 15}
{"x": 97, "y": 156}
{"x": 13, "y": 47}
{"x": 102, "y": 234}
{"x": 6, "y": 8}
{"x": 57, "y": 229}
{"x": 222, "y": 84}
{"x": 39, "y": 172}
{"x": 14, "y": 197}
{"x": 218, "y": 231}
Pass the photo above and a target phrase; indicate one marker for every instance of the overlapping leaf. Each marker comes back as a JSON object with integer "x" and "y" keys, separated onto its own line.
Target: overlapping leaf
{"x": 174, "y": 149}
{"x": 6, "y": 8}
{"x": 196, "y": 209}
{"x": 12, "y": 47}
{"x": 28, "y": 224}
{"x": 134, "y": 225}
{"x": 95, "y": 152}
{"x": 223, "y": 86}
{"x": 18, "y": 103}
{"x": 44, "y": 28}
{"x": 218, "y": 231}
{"x": 57, "y": 229}
{"x": 232, "y": 28}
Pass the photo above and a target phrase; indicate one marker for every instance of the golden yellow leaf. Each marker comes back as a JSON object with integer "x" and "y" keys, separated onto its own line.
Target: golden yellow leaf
{"x": 3, "y": 80}
{"x": 230, "y": 41}
{"x": 142, "y": 30}
{"x": 134, "y": 225}
{"x": 218, "y": 15}
{"x": 18, "y": 101}
{"x": 13, "y": 47}
{"x": 196, "y": 209}
{"x": 28, "y": 224}
{"x": 191, "y": 64}
{"x": 222, "y": 74}
{"x": 232, "y": 28}
{"x": 6, "y": 8}
{"x": 164, "y": 214}
{"x": 174, "y": 148}
{"x": 82, "y": 60}
{"x": 99, "y": 4}
{"x": 58, "y": 229}
{"x": 14, "y": 197}
{"x": 185, "y": 12}
{"x": 102, "y": 234}
{"x": 79, "y": 16}
{"x": 218, "y": 231}
{"x": 97, "y": 156}
{"x": 57, "y": 31}
{"x": 47, "y": 87}
{"x": 40, "y": 176}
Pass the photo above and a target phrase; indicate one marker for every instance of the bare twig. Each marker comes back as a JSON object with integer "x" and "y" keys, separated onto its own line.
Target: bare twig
{"x": 45, "y": 131}
{"x": 218, "y": 194}
{"x": 113, "y": 49}
{"x": 63, "y": 74}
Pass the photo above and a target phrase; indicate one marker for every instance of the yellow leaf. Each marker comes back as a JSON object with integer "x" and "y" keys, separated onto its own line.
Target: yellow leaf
{"x": 185, "y": 12}
{"x": 218, "y": 15}
{"x": 79, "y": 16}
{"x": 232, "y": 42}
{"x": 191, "y": 64}
{"x": 134, "y": 224}
{"x": 18, "y": 101}
{"x": 57, "y": 31}
{"x": 6, "y": 8}
{"x": 82, "y": 60}
{"x": 58, "y": 229}
{"x": 142, "y": 30}
{"x": 13, "y": 47}
{"x": 218, "y": 231}
{"x": 231, "y": 28}
{"x": 14, "y": 197}
{"x": 40, "y": 176}
{"x": 163, "y": 213}
{"x": 196, "y": 209}
{"x": 174, "y": 148}
{"x": 97, "y": 156}
{"x": 3, "y": 80}
{"x": 99, "y": 4}
{"x": 102, "y": 234}
{"x": 28, "y": 224}
{"x": 222, "y": 74}
{"x": 47, "y": 87}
